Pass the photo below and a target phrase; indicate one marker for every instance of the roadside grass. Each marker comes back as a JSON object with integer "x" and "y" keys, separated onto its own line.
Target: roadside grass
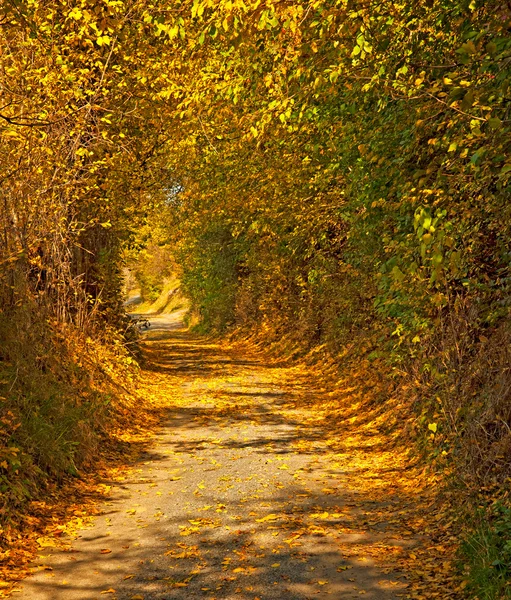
{"x": 485, "y": 554}
{"x": 69, "y": 413}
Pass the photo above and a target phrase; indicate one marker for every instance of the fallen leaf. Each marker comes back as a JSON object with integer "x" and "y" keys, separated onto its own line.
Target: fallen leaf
{"x": 270, "y": 517}
{"x": 46, "y": 542}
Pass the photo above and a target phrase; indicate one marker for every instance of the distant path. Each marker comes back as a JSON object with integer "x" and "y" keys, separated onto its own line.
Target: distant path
{"x": 243, "y": 495}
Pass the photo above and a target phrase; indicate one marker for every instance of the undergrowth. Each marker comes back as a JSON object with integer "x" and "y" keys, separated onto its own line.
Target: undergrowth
{"x": 486, "y": 553}
{"x": 65, "y": 397}
{"x": 449, "y": 405}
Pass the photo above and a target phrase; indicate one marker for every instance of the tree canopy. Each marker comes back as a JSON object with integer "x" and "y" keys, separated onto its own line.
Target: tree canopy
{"x": 332, "y": 170}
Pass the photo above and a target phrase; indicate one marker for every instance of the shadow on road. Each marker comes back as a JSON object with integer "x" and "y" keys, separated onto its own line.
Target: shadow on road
{"x": 248, "y": 491}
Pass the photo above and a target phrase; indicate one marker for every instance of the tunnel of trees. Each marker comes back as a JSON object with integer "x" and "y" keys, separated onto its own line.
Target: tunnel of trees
{"x": 335, "y": 172}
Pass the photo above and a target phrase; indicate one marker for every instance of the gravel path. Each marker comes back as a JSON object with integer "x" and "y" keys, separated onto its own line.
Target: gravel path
{"x": 239, "y": 497}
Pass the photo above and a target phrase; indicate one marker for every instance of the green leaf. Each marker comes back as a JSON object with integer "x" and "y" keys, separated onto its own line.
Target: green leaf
{"x": 494, "y": 123}
{"x": 468, "y": 100}
{"x": 397, "y": 274}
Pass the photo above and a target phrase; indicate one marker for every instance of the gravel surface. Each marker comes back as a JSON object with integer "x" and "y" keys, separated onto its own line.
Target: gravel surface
{"x": 238, "y": 498}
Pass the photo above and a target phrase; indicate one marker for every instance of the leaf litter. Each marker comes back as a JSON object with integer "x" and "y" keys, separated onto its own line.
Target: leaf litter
{"x": 382, "y": 509}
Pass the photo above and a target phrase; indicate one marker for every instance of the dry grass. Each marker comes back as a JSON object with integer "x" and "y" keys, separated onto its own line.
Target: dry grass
{"x": 69, "y": 412}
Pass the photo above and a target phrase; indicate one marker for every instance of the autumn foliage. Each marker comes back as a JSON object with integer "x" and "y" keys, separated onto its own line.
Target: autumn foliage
{"x": 334, "y": 173}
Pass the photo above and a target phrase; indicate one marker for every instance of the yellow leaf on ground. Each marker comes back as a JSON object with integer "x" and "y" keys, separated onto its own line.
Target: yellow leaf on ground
{"x": 270, "y": 517}
{"x": 46, "y": 542}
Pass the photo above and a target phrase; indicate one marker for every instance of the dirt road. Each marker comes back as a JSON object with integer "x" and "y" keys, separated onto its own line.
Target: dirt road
{"x": 243, "y": 495}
